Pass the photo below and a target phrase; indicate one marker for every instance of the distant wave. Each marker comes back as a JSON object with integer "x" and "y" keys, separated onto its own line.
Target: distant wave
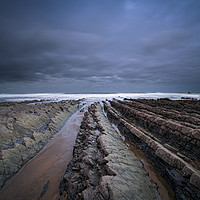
{"x": 94, "y": 97}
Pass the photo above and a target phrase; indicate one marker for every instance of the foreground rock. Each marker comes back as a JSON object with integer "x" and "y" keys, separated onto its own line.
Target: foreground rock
{"x": 25, "y": 128}
{"x": 102, "y": 167}
{"x": 167, "y": 137}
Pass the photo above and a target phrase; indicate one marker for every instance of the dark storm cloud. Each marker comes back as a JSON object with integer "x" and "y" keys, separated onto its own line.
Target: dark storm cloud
{"x": 103, "y": 42}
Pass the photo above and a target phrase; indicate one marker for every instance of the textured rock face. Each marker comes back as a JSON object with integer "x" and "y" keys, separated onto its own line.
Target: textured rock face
{"x": 25, "y": 128}
{"x": 182, "y": 135}
{"x": 103, "y": 167}
{"x": 167, "y": 138}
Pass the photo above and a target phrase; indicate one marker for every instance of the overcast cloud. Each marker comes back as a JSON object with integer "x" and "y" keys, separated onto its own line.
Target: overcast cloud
{"x": 99, "y": 46}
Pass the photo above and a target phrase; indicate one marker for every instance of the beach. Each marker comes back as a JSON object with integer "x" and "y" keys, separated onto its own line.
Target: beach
{"x": 108, "y": 146}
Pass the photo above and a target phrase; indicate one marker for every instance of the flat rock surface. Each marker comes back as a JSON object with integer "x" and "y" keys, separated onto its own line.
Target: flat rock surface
{"x": 25, "y": 127}
{"x": 40, "y": 177}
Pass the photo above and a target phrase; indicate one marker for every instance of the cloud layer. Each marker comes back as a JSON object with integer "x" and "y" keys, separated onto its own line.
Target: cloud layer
{"x": 115, "y": 46}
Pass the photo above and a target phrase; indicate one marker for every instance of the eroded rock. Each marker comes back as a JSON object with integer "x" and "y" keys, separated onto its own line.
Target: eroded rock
{"x": 24, "y": 130}
{"x": 110, "y": 170}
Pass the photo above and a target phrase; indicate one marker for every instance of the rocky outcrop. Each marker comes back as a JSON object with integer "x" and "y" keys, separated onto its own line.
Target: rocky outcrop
{"x": 184, "y": 106}
{"x": 186, "y": 139}
{"x": 178, "y": 169}
{"x": 183, "y": 118}
{"x": 102, "y": 167}
{"x": 24, "y": 130}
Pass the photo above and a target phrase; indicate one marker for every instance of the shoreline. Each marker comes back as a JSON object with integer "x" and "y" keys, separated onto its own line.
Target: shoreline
{"x": 95, "y": 97}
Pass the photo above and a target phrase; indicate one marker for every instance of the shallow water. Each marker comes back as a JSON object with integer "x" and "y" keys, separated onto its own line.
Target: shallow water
{"x": 39, "y": 179}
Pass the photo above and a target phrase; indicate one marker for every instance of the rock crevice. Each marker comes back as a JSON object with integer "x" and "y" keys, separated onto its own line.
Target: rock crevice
{"x": 102, "y": 167}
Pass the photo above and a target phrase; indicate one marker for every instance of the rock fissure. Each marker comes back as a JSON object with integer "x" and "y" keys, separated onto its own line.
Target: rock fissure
{"x": 100, "y": 173}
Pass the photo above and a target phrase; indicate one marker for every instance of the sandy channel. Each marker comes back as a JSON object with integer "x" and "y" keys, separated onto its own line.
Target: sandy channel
{"x": 39, "y": 179}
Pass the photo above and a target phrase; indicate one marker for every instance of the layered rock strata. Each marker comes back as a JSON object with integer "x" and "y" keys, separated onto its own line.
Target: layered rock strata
{"x": 25, "y": 128}
{"x": 163, "y": 141}
{"x": 186, "y": 106}
{"x": 185, "y": 137}
{"x": 102, "y": 166}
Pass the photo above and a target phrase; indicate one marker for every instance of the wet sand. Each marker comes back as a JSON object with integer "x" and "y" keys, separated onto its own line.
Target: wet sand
{"x": 39, "y": 178}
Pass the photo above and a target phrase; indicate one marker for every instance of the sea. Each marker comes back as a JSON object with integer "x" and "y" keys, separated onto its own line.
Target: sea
{"x": 89, "y": 98}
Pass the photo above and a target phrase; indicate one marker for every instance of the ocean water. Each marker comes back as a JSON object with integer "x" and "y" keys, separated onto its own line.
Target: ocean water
{"x": 94, "y": 97}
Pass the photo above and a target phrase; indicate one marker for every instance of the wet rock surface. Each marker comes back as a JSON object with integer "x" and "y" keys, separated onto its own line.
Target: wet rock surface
{"x": 167, "y": 127}
{"x": 25, "y": 128}
{"x": 163, "y": 131}
{"x": 102, "y": 167}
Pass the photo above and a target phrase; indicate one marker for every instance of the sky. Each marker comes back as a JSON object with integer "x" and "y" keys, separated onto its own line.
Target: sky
{"x": 83, "y": 46}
